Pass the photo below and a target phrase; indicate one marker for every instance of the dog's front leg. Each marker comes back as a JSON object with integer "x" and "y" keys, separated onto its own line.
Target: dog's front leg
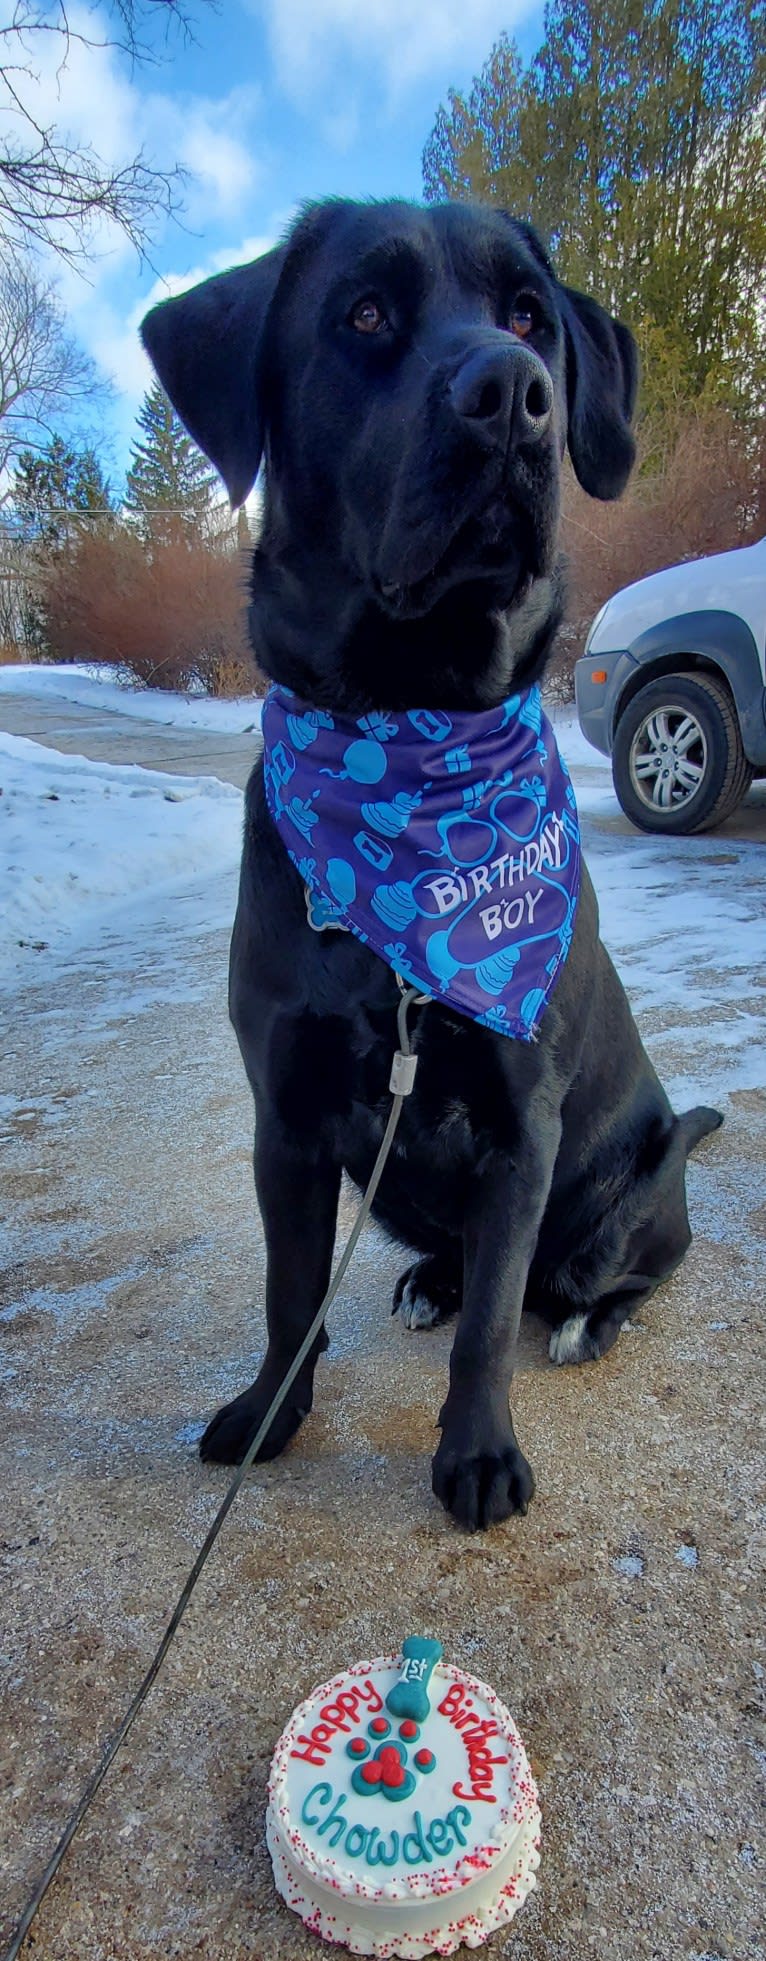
{"x": 298, "y": 1199}
{"x": 479, "y": 1472}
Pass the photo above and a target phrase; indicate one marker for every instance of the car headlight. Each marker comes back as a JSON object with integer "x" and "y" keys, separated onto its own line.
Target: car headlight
{"x": 595, "y": 624}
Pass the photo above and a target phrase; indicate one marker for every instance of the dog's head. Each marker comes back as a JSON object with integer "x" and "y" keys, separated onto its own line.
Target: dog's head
{"x": 411, "y": 378}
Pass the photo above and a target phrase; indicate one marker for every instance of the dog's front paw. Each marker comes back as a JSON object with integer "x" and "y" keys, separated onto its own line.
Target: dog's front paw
{"x": 481, "y": 1490}
{"x": 233, "y": 1427}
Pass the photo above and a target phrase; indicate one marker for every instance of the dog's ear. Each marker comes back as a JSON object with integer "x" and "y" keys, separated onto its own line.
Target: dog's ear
{"x": 206, "y": 347}
{"x": 602, "y": 380}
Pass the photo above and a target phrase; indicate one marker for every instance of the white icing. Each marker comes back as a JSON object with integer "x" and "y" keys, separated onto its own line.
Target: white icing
{"x": 448, "y": 1896}
{"x": 426, "y": 1927}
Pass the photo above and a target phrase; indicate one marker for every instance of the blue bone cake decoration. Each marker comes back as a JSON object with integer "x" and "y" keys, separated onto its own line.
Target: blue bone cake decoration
{"x": 409, "y": 1696}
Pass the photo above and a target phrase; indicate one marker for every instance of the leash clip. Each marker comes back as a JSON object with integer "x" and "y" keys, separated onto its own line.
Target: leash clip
{"x": 403, "y": 1068}
{"x": 405, "y": 987}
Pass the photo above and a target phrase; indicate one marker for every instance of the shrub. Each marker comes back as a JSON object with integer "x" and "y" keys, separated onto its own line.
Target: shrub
{"x": 174, "y": 614}
{"x": 699, "y": 496}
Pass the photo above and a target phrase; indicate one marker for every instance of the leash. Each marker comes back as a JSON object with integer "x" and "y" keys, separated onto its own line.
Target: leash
{"x": 402, "y": 1078}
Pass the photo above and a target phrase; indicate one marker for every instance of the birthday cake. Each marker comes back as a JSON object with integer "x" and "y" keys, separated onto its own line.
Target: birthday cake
{"x": 402, "y": 1814}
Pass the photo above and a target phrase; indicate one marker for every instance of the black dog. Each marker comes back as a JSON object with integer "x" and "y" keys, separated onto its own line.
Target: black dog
{"x": 411, "y": 378}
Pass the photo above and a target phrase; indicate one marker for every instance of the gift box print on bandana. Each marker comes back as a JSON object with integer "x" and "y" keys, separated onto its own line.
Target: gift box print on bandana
{"x": 449, "y": 843}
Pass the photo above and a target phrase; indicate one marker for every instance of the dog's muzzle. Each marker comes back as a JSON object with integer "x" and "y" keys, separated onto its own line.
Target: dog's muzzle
{"x": 503, "y": 395}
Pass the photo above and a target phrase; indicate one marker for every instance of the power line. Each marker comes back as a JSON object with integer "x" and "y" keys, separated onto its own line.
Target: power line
{"x": 107, "y": 510}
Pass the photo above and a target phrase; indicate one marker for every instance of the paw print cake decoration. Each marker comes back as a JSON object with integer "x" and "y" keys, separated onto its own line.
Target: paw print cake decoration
{"x": 388, "y": 1768}
{"x": 402, "y": 1815}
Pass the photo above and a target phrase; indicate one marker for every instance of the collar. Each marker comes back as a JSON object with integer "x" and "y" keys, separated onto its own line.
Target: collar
{"x": 448, "y": 843}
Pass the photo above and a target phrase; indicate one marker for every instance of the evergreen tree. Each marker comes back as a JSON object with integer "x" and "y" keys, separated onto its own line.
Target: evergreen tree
{"x": 170, "y": 486}
{"x": 636, "y": 142}
{"x": 56, "y": 492}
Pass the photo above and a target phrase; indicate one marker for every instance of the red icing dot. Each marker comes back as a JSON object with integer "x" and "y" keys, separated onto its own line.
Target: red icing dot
{"x": 372, "y": 1772}
{"x": 358, "y": 1746}
{"x": 390, "y": 1755}
{"x": 379, "y": 1725}
{"x": 394, "y": 1774}
{"x": 408, "y": 1728}
{"x": 424, "y": 1758}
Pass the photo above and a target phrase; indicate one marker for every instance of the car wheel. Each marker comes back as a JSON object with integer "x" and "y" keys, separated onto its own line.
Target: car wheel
{"x": 678, "y": 763}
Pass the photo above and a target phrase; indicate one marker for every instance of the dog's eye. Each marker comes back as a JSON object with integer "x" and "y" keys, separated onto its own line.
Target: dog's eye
{"x": 525, "y": 316}
{"x": 368, "y": 316}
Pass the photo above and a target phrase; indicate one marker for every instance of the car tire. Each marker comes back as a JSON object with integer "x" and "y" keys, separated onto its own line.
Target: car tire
{"x": 706, "y": 775}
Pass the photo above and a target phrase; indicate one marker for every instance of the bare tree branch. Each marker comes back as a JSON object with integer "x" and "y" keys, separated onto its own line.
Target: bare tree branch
{"x": 52, "y": 188}
{"x": 43, "y": 373}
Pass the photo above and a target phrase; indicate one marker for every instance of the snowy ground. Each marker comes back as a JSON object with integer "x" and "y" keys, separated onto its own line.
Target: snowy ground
{"x": 685, "y": 924}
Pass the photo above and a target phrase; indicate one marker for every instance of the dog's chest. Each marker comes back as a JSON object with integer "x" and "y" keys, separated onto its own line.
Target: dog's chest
{"x": 330, "y": 1064}
{"x": 455, "y": 1114}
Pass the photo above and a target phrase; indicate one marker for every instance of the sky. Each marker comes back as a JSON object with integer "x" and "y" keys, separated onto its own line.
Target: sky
{"x": 270, "y": 103}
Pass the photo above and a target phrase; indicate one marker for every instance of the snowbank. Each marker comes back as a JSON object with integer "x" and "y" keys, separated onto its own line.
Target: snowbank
{"x": 116, "y": 690}
{"x": 78, "y": 839}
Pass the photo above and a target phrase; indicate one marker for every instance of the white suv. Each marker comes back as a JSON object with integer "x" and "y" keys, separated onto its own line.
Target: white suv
{"x": 671, "y": 685}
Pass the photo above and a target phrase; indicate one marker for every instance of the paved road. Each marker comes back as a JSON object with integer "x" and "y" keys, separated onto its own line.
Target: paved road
{"x": 619, "y": 1620}
{"x": 114, "y": 738}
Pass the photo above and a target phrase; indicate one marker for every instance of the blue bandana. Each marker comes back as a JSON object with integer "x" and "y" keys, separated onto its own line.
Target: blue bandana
{"x": 448, "y": 843}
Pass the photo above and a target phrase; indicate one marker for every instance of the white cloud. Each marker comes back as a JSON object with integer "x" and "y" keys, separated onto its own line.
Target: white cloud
{"x": 220, "y": 164}
{"x": 209, "y": 139}
{"x": 314, "y": 43}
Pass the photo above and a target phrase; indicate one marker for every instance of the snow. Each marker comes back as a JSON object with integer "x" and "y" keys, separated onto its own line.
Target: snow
{"x": 574, "y": 746}
{"x": 629, "y": 1565}
{"x": 78, "y": 839}
{"x": 115, "y": 689}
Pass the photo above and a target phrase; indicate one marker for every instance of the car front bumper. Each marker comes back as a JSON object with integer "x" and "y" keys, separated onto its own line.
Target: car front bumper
{"x": 599, "y": 681}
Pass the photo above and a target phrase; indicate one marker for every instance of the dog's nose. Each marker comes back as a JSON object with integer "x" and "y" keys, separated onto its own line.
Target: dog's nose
{"x": 503, "y": 393}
